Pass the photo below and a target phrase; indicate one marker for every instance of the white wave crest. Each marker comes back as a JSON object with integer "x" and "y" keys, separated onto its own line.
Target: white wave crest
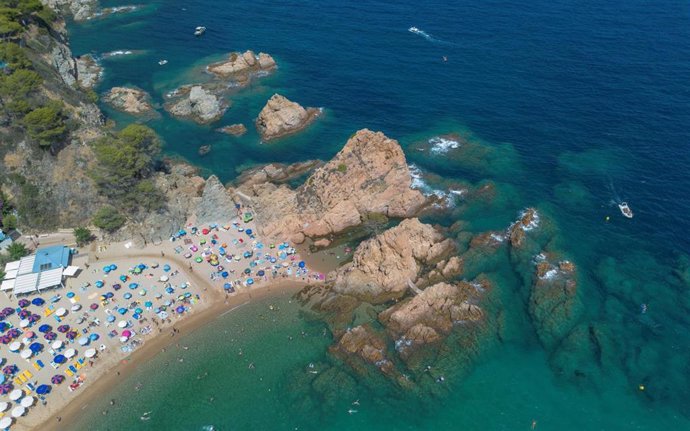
{"x": 441, "y": 145}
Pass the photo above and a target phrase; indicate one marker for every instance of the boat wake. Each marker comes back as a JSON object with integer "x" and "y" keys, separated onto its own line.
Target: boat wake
{"x": 427, "y": 36}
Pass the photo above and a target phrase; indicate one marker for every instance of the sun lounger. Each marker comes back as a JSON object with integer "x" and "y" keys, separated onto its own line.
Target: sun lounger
{"x": 69, "y": 373}
{"x": 31, "y": 386}
{"x": 58, "y": 319}
{"x": 54, "y": 365}
{"x": 77, "y": 365}
{"x": 28, "y": 375}
{"x": 40, "y": 363}
{"x": 36, "y": 366}
{"x": 72, "y": 369}
{"x": 17, "y": 382}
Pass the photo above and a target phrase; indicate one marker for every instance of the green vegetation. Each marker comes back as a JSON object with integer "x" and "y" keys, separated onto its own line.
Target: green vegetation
{"x": 16, "y": 251}
{"x": 83, "y": 236}
{"x": 342, "y": 168}
{"x": 16, "y": 14}
{"x": 9, "y": 222}
{"x": 46, "y": 125}
{"x": 30, "y": 204}
{"x": 108, "y": 219}
{"x": 16, "y": 89}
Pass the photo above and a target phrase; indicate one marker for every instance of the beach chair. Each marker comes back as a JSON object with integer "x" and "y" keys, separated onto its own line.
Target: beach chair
{"x": 31, "y": 386}
{"x": 69, "y": 373}
{"x": 36, "y": 366}
{"x": 72, "y": 369}
{"x": 54, "y": 365}
{"x": 40, "y": 363}
{"x": 28, "y": 374}
{"x": 17, "y": 382}
{"x": 77, "y": 365}
{"x": 58, "y": 319}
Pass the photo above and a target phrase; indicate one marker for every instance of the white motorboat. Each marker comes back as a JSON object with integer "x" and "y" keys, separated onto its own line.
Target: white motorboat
{"x": 625, "y": 209}
{"x": 199, "y": 31}
{"x": 163, "y": 62}
{"x": 414, "y": 30}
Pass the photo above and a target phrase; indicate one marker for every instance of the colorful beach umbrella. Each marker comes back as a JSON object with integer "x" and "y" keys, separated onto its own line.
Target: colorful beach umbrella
{"x": 38, "y": 302}
{"x": 93, "y": 306}
{"x": 261, "y": 273}
{"x": 23, "y": 303}
{"x": 123, "y": 278}
{"x": 71, "y": 335}
{"x": 36, "y": 347}
{"x": 70, "y": 295}
{"x": 6, "y": 388}
{"x": 57, "y": 379}
{"x": 122, "y": 310}
{"x": 50, "y": 336}
{"x": 63, "y": 328}
{"x": 99, "y": 284}
{"x": 10, "y": 369}
{"x": 43, "y": 389}
{"x": 59, "y": 359}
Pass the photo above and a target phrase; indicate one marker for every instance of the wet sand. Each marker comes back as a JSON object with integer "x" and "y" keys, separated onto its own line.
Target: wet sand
{"x": 101, "y": 386}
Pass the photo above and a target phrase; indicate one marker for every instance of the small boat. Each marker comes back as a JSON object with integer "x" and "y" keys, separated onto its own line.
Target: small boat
{"x": 413, "y": 30}
{"x": 625, "y": 209}
{"x": 199, "y": 31}
{"x": 163, "y": 62}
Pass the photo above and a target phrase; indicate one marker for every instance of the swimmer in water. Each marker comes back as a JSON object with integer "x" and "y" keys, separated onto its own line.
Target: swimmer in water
{"x": 534, "y": 423}
{"x": 643, "y": 308}
{"x": 352, "y": 411}
{"x": 355, "y": 402}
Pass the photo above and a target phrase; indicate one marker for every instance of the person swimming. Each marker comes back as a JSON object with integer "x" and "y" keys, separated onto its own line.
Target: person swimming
{"x": 643, "y": 308}
{"x": 352, "y": 411}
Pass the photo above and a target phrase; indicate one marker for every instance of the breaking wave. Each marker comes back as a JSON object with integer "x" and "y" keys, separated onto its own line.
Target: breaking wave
{"x": 441, "y": 145}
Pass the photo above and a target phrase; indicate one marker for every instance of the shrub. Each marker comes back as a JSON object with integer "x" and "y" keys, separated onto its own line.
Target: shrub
{"x": 83, "y": 236}
{"x": 108, "y": 219}
{"x": 46, "y": 124}
{"x": 16, "y": 251}
{"x": 342, "y": 168}
{"x": 9, "y": 222}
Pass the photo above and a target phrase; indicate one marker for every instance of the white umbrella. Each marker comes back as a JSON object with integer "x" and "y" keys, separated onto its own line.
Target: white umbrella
{"x": 18, "y": 411}
{"x": 57, "y": 344}
{"x": 27, "y": 402}
{"x": 14, "y": 347}
{"x": 90, "y": 353}
{"x": 3, "y": 406}
{"x": 76, "y": 307}
{"x": 5, "y": 422}
{"x": 24, "y": 323}
{"x": 83, "y": 341}
{"x": 16, "y": 394}
{"x": 164, "y": 278}
{"x": 123, "y": 339}
{"x": 122, "y": 324}
{"x": 26, "y": 354}
{"x": 61, "y": 312}
{"x": 70, "y": 352}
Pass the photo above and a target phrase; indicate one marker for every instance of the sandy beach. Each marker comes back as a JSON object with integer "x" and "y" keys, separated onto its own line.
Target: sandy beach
{"x": 128, "y": 303}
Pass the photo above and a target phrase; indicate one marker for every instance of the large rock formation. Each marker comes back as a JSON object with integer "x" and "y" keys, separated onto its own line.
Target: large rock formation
{"x": 131, "y": 100}
{"x": 368, "y": 176}
{"x": 281, "y": 117}
{"x": 216, "y": 204}
{"x": 88, "y": 71}
{"x": 197, "y": 103}
{"x": 432, "y": 314}
{"x": 241, "y": 66}
{"x": 383, "y": 266}
{"x": 79, "y": 9}
{"x": 234, "y": 129}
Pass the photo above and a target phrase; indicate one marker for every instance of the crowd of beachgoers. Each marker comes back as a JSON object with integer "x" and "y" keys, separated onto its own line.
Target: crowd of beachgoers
{"x": 56, "y": 341}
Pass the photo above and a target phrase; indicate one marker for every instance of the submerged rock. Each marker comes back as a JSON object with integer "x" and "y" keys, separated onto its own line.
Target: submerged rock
{"x": 130, "y": 100}
{"x": 281, "y": 117}
{"x": 197, "y": 103}
{"x": 362, "y": 343}
{"x": 368, "y": 176}
{"x": 528, "y": 220}
{"x": 234, "y": 130}
{"x": 204, "y": 149}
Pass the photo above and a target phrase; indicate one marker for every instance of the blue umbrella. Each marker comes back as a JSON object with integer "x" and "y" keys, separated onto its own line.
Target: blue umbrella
{"x": 36, "y": 347}
{"x": 113, "y": 267}
{"x": 148, "y": 304}
{"x": 38, "y": 301}
{"x": 106, "y": 269}
{"x": 247, "y": 254}
{"x": 44, "y": 328}
{"x": 169, "y": 290}
{"x": 180, "y": 309}
{"x": 59, "y": 359}
{"x": 99, "y": 284}
{"x": 141, "y": 266}
{"x": 302, "y": 264}
{"x": 122, "y": 310}
{"x": 250, "y": 281}
{"x": 260, "y": 273}
{"x": 70, "y": 294}
{"x": 225, "y": 274}
{"x": 111, "y": 318}
{"x": 4, "y": 326}
{"x": 136, "y": 316}
{"x": 43, "y": 389}
{"x": 133, "y": 285}
{"x": 94, "y": 337}
{"x": 109, "y": 295}
{"x": 166, "y": 267}
{"x": 227, "y": 286}
{"x": 123, "y": 278}
{"x": 248, "y": 231}
{"x": 128, "y": 295}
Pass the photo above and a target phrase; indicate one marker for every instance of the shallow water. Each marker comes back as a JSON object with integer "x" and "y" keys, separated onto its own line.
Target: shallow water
{"x": 565, "y": 107}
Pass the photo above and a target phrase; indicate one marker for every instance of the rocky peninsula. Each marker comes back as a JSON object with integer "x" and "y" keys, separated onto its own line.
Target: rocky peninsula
{"x": 240, "y": 67}
{"x": 281, "y": 117}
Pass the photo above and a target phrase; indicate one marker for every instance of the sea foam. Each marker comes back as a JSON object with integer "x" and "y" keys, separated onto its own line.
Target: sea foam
{"x": 441, "y": 145}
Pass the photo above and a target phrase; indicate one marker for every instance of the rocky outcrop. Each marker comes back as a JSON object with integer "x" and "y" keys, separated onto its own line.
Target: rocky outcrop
{"x": 216, "y": 203}
{"x": 204, "y": 149}
{"x": 281, "y": 117}
{"x": 241, "y": 66}
{"x": 88, "y": 71}
{"x": 362, "y": 343}
{"x": 79, "y": 9}
{"x": 64, "y": 64}
{"x": 431, "y": 315}
{"x": 383, "y": 266}
{"x": 234, "y": 130}
{"x": 130, "y": 100}
{"x": 276, "y": 173}
{"x": 197, "y": 103}
{"x": 529, "y": 219}
{"x": 368, "y": 176}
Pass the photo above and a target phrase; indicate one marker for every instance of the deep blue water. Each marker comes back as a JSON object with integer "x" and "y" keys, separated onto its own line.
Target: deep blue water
{"x": 573, "y": 105}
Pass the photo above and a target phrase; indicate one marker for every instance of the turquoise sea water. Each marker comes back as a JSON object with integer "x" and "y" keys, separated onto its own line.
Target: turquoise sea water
{"x": 566, "y": 106}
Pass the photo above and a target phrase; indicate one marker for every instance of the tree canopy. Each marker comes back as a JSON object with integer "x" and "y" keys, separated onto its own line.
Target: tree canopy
{"x": 46, "y": 124}
{"x": 17, "y": 250}
{"x": 108, "y": 219}
{"x": 82, "y": 235}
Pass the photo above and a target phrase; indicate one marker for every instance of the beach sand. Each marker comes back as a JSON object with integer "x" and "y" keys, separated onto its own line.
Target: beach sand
{"x": 202, "y": 282}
